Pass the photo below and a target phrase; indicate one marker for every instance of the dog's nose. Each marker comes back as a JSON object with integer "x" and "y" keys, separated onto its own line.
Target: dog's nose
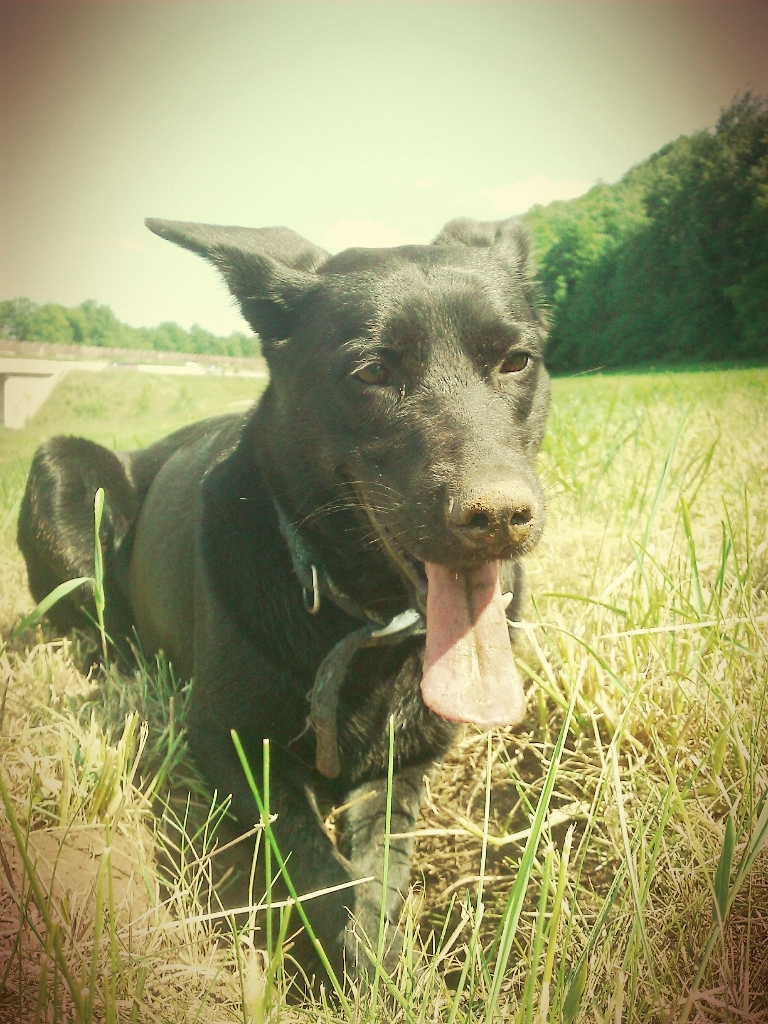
{"x": 494, "y": 515}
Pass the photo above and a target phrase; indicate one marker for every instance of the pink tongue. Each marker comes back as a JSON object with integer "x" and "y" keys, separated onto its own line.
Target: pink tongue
{"x": 469, "y": 672}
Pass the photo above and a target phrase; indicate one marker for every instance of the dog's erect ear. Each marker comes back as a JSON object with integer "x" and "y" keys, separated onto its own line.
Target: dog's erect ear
{"x": 267, "y": 269}
{"x": 487, "y": 234}
{"x": 508, "y": 238}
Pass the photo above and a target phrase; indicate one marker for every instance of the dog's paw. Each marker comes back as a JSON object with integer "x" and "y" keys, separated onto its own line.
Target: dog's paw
{"x": 361, "y": 945}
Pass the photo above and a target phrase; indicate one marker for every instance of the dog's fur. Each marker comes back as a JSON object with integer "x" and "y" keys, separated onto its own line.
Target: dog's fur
{"x": 391, "y": 400}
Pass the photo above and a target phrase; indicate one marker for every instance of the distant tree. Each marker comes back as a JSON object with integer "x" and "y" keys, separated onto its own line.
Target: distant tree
{"x": 239, "y": 344}
{"x": 750, "y": 300}
{"x": 93, "y": 324}
{"x": 169, "y": 337}
{"x": 15, "y": 317}
{"x": 101, "y": 327}
{"x": 669, "y": 264}
{"x": 203, "y": 341}
{"x": 50, "y": 323}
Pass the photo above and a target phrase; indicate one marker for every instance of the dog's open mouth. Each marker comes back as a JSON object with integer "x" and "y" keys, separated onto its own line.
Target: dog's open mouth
{"x": 469, "y": 671}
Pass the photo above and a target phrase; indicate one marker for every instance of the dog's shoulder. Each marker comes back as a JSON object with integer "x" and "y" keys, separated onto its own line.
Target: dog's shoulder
{"x": 143, "y": 464}
{"x": 247, "y": 568}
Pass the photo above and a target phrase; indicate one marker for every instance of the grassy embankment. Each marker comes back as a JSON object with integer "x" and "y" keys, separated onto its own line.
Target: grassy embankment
{"x": 648, "y": 621}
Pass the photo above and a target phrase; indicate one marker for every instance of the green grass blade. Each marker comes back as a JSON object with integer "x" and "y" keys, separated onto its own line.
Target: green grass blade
{"x": 723, "y": 873}
{"x": 575, "y": 992}
{"x": 632, "y": 873}
{"x": 663, "y": 479}
{"x": 755, "y": 844}
{"x": 758, "y": 838}
{"x": 48, "y": 602}
{"x": 479, "y": 906}
{"x": 585, "y": 599}
{"x": 378, "y": 968}
{"x": 529, "y": 998}
{"x": 686, "y": 513}
{"x": 514, "y": 906}
{"x": 75, "y": 990}
{"x": 554, "y": 923}
{"x": 287, "y": 878}
{"x": 99, "y": 595}
{"x": 267, "y": 853}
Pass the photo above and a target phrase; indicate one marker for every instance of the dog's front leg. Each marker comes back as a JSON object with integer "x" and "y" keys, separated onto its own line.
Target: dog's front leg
{"x": 362, "y": 837}
{"x": 312, "y": 861}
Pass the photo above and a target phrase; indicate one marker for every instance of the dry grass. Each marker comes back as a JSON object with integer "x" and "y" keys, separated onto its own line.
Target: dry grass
{"x": 648, "y": 615}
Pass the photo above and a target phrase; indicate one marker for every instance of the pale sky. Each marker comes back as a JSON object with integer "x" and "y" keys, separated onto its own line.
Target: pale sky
{"x": 368, "y": 123}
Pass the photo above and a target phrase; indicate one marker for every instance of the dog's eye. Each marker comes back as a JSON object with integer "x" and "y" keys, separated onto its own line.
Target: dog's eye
{"x": 515, "y": 362}
{"x": 373, "y": 373}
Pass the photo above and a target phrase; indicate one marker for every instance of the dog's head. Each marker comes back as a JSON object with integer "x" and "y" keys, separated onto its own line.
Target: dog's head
{"x": 407, "y": 389}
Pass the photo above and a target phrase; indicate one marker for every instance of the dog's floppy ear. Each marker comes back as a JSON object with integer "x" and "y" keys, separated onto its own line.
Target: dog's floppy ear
{"x": 267, "y": 269}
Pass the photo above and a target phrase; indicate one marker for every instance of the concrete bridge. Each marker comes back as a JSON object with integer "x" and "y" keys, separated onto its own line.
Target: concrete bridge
{"x": 26, "y": 383}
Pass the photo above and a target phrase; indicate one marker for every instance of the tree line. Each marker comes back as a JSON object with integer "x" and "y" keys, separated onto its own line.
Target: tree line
{"x": 670, "y": 264}
{"x": 93, "y": 324}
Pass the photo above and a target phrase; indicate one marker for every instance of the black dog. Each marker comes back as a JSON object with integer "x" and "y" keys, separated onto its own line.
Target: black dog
{"x": 348, "y": 542}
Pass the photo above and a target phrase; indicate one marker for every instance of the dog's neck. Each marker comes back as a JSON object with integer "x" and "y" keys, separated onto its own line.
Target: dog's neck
{"x": 316, "y": 582}
{"x": 352, "y": 570}
{"x": 352, "y": 567}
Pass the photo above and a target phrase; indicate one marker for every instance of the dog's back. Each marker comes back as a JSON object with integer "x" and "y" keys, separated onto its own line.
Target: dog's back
{"x": 56, "y": 519}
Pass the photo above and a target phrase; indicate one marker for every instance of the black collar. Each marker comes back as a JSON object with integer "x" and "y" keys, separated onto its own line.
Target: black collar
{"x": 315, "y": 581}
{"x": 324, "y": 696}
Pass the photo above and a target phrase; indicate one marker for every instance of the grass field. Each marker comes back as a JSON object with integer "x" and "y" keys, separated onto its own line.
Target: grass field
{"x": 606, "y": 862}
